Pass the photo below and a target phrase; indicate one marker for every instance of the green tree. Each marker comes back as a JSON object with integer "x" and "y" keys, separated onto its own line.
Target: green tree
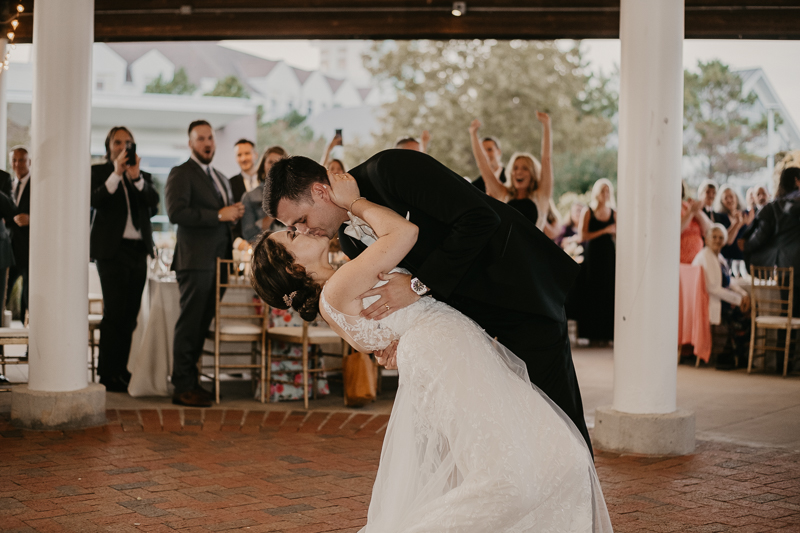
{"x": 231, "y": 87}
{"x": 719, "y": 130}
{"x": 293, "y": 134}
{"x": 442, "y": 86}
{"x": 179, "y": 84}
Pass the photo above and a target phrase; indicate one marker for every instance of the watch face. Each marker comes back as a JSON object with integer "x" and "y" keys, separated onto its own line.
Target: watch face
{"x": 417, "y": 286}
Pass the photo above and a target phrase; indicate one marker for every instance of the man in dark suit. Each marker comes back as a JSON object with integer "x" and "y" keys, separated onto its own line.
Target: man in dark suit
{"x": 20, "y": 226}
{"x": 245, "y": 181}
{"x": 123, "y": 198}
{"x": 473, "y": 252}
{"x": 200, "y": 201}
{"x": 7, "y": 211}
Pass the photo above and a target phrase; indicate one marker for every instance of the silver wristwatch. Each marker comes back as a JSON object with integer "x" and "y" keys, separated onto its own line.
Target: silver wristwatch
{"x": 418, "y": 287}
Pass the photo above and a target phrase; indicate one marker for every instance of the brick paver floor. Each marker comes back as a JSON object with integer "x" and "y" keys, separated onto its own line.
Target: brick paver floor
{"x": 309, "y": 472}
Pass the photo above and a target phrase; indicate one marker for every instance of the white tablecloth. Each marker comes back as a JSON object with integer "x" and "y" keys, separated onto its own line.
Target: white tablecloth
{"x": 150, "y": 361}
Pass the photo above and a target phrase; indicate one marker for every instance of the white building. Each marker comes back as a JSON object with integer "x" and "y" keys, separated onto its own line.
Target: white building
{"x": 122, "y": 71}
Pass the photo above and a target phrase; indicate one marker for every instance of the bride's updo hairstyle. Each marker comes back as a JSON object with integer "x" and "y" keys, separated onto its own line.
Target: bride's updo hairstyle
{"x": 278, "y": 279}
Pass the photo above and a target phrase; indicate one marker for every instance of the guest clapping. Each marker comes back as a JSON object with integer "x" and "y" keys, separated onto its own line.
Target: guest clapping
{"x": 531, "y": 183}
{"x": 694, "y": 224}
{"x": 243, "y": 182}
{"x": 200, "y": 201}
{"x": 728, "y": 212}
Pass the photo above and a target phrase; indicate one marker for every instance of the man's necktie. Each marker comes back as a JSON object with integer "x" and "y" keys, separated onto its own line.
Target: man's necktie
{"x": 133, "y": 201}
{"x": 216, "y": 187}
{"x": 16, "y": 193}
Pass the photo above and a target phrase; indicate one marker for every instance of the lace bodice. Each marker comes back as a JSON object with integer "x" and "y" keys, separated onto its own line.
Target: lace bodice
{"x": 377, "y": 334}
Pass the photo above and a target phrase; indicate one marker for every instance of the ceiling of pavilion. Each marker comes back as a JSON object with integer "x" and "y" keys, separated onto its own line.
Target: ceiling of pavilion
{"x": 147, "y": 20}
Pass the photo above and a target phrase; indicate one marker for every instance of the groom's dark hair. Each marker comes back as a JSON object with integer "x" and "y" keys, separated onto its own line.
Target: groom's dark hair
{"x": 291, "y": 178}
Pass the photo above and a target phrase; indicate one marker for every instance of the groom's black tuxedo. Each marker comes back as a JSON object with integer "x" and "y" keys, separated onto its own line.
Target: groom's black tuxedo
{"x": 469, "y": 244}
{"x": 484, "y": 258}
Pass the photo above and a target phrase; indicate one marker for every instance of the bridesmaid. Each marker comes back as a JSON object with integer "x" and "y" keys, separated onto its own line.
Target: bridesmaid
{"x": 598, "y": 228}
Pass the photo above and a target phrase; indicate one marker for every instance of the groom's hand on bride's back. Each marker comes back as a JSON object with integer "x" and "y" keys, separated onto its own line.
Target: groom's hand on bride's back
{"x": 394, "y": 295}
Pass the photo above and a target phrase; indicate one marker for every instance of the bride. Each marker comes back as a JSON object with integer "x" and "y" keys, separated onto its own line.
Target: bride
{"x": 471, "y": 445}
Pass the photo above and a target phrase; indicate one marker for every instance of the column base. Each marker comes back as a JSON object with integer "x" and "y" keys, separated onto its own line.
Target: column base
{"x": 647, "y": 434}
{"x": 58, "y": 410}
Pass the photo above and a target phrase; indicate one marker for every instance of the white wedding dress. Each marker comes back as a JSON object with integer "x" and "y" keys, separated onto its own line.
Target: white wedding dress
{"x": 471, "y": 445}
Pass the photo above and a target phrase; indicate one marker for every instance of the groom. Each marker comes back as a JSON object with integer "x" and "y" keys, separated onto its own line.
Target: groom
{"x": 475, "y": 253}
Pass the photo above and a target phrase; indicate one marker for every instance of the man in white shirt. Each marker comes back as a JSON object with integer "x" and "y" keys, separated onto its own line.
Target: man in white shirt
{"x": 200, "y": 201}
{"x": 123, "y": 199}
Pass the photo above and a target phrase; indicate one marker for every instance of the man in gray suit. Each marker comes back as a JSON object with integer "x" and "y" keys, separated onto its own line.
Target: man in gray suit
{"x": 200, "y": 201}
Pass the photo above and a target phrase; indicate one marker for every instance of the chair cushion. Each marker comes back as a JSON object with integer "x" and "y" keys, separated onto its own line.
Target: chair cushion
{"x": 776, "y": 321}
{"x": 13, "y": 332}
{"x": 233, "y": 327}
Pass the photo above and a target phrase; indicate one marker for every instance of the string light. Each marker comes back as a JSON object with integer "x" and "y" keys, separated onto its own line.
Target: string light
{"x": 14, "y": 22}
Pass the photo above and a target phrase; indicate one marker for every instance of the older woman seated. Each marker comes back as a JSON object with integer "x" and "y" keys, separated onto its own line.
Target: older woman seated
{"x": 727, "y": 302}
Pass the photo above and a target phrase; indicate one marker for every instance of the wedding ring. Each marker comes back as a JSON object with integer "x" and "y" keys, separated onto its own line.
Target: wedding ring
{"x": 386, "y": 306}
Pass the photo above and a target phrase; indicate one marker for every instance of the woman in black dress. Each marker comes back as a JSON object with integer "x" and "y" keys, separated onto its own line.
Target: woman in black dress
{"x": 597, "y": 230}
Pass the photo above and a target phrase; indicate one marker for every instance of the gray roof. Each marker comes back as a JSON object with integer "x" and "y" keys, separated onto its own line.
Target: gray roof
{"x": 200, "y": 59}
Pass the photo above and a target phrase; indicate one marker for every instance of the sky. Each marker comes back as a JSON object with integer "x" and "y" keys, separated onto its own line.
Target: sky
{"x": 777, "y": 58}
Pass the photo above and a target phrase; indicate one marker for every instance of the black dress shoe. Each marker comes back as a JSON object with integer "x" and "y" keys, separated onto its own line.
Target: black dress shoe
{"x": 208, "y": 395}
{"x": 191, "y": 398}
{"x": 114, "y": 384}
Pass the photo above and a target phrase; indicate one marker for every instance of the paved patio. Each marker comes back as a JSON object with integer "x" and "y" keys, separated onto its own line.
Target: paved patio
{"x": 244, "y": 466}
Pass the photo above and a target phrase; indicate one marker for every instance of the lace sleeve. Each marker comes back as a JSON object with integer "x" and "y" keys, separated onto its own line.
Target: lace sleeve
{"x": 368, "y": 335}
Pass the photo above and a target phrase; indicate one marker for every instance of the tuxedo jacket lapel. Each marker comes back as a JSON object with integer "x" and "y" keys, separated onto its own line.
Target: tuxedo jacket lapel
{"x": 206, "y": 180}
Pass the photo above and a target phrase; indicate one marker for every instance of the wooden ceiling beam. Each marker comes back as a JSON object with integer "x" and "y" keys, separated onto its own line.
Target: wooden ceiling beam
{"x": 188, "y": 20}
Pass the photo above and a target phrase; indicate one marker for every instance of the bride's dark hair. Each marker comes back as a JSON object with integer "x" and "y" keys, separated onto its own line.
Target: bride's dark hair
{"x": 275, "y": 276}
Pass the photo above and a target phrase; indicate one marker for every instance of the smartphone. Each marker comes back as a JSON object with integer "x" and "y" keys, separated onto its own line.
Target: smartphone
{"x": 339, "y": 133}
{"x": 131, "y": 148}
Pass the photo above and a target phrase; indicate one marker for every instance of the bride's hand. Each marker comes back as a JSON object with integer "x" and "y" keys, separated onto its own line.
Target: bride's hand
{"x": 396, "y": 294}
{"x": 343, "y": 189}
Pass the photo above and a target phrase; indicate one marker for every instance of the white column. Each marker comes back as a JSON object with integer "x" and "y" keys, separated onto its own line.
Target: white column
{"x": 3, "y": 107}
{"x": 63, "y": 33}
{"x": 648, "y": 233}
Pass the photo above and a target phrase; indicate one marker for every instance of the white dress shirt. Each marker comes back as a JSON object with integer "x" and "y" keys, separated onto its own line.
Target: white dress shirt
{"x": 222, "y": 189}
{"x": 112, "y": 183}
{"x": 250, "y": 181}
